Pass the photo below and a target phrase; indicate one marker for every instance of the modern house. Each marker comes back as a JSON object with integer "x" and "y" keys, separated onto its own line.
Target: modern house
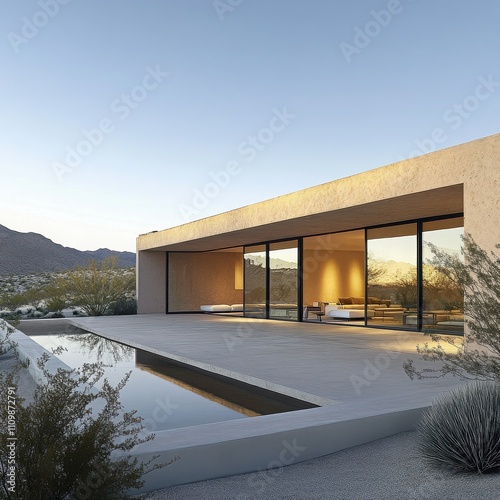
{"x": 354, "y": 249}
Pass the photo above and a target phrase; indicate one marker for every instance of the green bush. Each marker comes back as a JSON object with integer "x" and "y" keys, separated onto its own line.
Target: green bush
{"x": 477, "y": 356}
{"x": 124, "y": 306}
{"x": 68, "y": 437}
{"x": 461, "y": 430}
{"x": 94, "y": 288}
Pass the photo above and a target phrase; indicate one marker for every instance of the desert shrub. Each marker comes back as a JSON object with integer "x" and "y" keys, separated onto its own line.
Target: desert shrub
{"x": 461, "y": 430}
{"x": 14, "y": 300}
{"x": 55, "y": 299}
{"x": 96, "y": 287}
{"x": 477, "y": 273}
{"x": 124, "y": 306}
{"x": 8, "y": 315}
{"x": 58, "y": 315}
{"x": 67, "y": 436}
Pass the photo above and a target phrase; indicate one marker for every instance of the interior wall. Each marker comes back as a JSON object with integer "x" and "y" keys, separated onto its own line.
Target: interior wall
{"x": 195, "y": 279}
{"x": 332, "y": 274}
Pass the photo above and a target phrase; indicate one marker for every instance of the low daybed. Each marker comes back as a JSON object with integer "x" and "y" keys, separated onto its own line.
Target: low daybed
{"x": 217, "y": 308}
{"x": 276, "y": 310}
{"x": 354, "y": 308}
{"x": 347, "y": 312}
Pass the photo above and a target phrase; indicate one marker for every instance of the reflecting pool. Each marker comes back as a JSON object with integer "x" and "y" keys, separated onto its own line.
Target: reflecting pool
{"x": 166, "y": 394}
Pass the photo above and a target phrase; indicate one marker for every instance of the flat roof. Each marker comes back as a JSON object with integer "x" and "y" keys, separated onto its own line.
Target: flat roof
{"x": 437, "y": 202}
{"x": 427, "y": 186}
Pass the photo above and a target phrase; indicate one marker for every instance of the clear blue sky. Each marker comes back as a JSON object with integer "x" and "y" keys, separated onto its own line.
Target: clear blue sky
{"x": 116, "y": 115}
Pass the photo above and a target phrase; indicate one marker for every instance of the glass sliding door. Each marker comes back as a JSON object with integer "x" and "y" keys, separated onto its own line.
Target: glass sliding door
{"x": 392, "y": 292}
{"x": 443, "y": 300}
{"x": 283, "y": 280}
{"x": 333, "y": 275}
{"x": 255, "y": 281}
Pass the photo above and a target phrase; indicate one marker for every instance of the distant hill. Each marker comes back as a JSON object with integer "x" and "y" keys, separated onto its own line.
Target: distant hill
{"x": 23, "y": 253}
{"x": 395, "y": 270}
{"x": 274, "y": 263}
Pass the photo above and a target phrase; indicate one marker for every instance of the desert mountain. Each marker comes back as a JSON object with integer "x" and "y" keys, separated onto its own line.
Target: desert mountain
{"x": 395, "y": 270}
{"x": 23, "y": 253}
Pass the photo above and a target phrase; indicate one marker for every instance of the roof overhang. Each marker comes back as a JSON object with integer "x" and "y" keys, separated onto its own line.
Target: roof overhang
{"x": 248, "y": 225}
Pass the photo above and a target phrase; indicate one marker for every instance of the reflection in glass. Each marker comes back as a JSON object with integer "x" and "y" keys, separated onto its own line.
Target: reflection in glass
{"x": 255, "y": 281}
{"x": 283, "y": 280}
{"x": 392, "y": 276}
{"x": 443, "y": 300}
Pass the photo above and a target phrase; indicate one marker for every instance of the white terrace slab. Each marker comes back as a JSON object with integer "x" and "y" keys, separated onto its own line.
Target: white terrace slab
{"x": 321, "y": 363}
{"x": 355, "y": 373}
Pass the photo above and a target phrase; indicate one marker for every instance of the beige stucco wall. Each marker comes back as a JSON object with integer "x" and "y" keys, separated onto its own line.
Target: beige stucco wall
{"x": 209, "y": 278}
{"x": 482, "y": 193}
{"x": 151, "y": 282}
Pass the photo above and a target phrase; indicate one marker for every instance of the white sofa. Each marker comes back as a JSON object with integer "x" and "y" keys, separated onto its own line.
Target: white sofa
{"x": 214, "y": 308}
{"x": 275, "y": 310}
{"x": 348, "y": 311}
{"x": 357, "y": 311}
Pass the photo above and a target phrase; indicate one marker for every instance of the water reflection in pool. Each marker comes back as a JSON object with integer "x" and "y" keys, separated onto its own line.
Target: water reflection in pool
{"x": 166, "y": 394}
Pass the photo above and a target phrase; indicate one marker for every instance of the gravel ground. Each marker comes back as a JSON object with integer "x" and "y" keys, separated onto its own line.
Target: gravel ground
{"x": 387, "y": 469}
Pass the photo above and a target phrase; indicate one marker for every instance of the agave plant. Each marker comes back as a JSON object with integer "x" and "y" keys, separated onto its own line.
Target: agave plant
{"x": 461, "y": 430}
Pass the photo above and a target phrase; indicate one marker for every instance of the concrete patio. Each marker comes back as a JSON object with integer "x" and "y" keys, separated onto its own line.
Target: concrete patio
{"x": 354, "y": 374}
{"x": 324, "y": 364}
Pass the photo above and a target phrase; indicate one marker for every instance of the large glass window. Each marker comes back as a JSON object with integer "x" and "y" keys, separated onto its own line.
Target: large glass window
{"x": 369, "y": 277}
{"x": 392, "y": 276}
{"x": 283, "y": 280}
{"x": 443, "y": 300}
{"x": 204, "y": 278}
{"x": 333, "y": 275}
{"x": 255, "y": 281}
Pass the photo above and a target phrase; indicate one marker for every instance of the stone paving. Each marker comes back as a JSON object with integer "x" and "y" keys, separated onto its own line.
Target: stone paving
{"x": 327, "y": 364}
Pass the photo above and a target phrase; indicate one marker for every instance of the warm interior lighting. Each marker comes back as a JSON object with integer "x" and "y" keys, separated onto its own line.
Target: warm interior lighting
{"x": 238, "y": 274}
{"x": 357, "y": 278}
